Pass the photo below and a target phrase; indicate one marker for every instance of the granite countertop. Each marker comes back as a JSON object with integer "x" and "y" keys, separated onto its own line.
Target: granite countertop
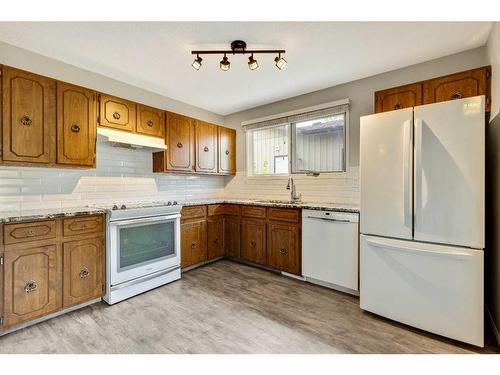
{"x": 323, "y": 206}
{"x": 27, "y": 215}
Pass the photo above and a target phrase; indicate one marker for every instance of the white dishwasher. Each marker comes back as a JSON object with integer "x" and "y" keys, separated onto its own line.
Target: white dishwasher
{"x": 330, "y": 249}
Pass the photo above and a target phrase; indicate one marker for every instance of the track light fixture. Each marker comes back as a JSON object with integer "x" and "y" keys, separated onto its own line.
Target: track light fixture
{"x": 225, "y": 64}
{"x": 280, "y": 62}
{"x": 252, "y": 63}
{"x": 197, "y": 62}
{"x": 239, "y": 47}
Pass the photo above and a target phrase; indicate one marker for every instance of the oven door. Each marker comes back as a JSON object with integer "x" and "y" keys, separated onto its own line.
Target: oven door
{"x": 140, "y": 247}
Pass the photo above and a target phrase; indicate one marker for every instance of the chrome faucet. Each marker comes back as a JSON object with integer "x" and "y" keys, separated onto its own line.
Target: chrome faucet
{"x": 293, "y": 191}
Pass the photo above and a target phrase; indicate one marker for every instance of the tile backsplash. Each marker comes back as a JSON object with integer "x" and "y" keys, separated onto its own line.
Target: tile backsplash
{"x": 121, "y": 175}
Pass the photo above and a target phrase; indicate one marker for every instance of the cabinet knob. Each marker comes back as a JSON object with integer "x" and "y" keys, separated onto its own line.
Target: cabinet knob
{"x": 116, "y": 116}
{"x": 205, "y": 149}
{"x": 84, "y": 272}
{"x": 252, "y": 243}
{"x": 30, "y": 286}
{"x": 227, "y": 152}
{"x": 30, "y": 232}
{"x": 75, "y": 128}
{"x": 26, "y": 120}
{"x": 216, "y": 240}
{"x": 398, "y": 105}
{"x": 149, "y": 123}
{"x": 456, "y": 95}
{"x": 283, "y": 250}
{"x": 193, "y": 245}
{"x": 179, "y": 144}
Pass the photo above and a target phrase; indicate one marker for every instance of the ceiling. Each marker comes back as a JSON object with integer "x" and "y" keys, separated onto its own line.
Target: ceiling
{"x": 156, "y": 55}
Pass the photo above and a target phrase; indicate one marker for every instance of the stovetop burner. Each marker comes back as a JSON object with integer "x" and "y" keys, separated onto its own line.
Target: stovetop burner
{"x": 130, "y": 210}
{"x": 125, "y": 206}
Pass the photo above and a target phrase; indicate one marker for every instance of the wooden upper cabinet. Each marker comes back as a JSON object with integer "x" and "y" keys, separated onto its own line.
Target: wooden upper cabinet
{"x": 180, "y": 142}
{"x": 117, "y": 113}
{"x": 32, "y": 279}
{"x": 459, "y": 85}
{"x": 227, "y": 150}
{"x": 398, "y": 97}
{"x": 206, "y": 147}
{"x": 150, "y": 121}
{"x": 83, "y": 270}
{"x": 76, "y": 125}
{"x": 29, "y": 117}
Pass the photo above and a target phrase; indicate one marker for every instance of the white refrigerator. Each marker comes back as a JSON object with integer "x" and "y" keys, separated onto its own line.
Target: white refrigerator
{"x": 422, "y": 217}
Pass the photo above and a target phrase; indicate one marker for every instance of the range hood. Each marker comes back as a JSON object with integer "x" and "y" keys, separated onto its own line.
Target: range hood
{"x": 130, "y": 140}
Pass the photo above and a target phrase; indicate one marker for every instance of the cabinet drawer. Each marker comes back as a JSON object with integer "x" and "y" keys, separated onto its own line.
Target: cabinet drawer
{"x": 232, "y": 209}
{"x": 215, "y": 209}
{"x": 34, "y": 231}
{"x": 284, "y": 214}
{"x": 253, "y": 211}
{"x": 83, "y": 225}
{"x": 191, "y": 212}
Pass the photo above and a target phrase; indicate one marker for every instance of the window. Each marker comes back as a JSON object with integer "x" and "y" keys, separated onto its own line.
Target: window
{"x": 306, "y": 142}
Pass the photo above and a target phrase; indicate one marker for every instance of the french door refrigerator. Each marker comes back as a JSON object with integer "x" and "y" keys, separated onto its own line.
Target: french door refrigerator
{"x": 422, "y": 217}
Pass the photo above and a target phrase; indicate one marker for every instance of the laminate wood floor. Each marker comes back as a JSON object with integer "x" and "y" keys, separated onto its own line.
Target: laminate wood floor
{"x": 227, "y": 307}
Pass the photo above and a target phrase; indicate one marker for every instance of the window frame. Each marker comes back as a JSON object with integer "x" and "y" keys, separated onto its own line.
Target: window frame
{"x": 291, "y": 140}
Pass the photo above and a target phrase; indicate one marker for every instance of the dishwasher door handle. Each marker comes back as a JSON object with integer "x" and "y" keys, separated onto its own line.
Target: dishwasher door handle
{"x": 342, "y": 221}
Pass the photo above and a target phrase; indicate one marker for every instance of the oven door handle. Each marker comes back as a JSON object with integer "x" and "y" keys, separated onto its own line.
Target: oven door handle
{"x": 145, "y": 220}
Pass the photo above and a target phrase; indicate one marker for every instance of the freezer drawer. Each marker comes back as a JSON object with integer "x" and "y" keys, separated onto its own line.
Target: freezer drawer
{"x": 330, "y": 249}
{"x": 435, "y": 288}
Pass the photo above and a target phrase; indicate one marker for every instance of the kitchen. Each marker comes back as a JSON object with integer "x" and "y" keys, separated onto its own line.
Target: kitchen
{"x": 346, "y": 218}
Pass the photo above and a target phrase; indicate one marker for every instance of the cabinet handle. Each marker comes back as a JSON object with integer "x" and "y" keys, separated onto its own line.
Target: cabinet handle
{"x": 398, "y": 105}
{"x": 193, "y": 245}
{"x": 456, "y": 95}
{"x": 227, "y": 152}
{"x": 30, "y": 286}
{"x": 252, "y": 243}
{"x": 216, "y": 240}
{"x": 116, "y": 116}
{"x": 75, "y": 128}
{"x": 30, "y": 232}
{"x": 84, "y": 226}
{"x": 84, "y": 272}
{"x": 205, "y": 149}
{"x": 149, "y": 123}
{"x": 283, "y": 250}
{"x": 179, "y": 144}
{"x": 26, "y": 120}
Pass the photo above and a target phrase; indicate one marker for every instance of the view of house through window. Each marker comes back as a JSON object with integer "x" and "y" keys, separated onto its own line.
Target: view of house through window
{"x": 313, "y": 145}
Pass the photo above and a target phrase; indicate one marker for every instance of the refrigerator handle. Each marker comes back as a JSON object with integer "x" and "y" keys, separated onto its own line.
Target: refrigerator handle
{"x": 389, "y": 246}
{"x": 407, "y": 175}
{"x": 418, "y": 164}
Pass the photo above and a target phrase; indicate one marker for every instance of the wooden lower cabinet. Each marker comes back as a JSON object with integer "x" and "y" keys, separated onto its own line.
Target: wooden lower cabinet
{"x": 215, "y": 237}
{"x": 83, "y": 270}
{"x": 32, "y": 282}
{"x": 193, "y": 243}
{"x": 232, "y": 236}
{"x": 283, "y": 247}
{"x": 253, "y": 241}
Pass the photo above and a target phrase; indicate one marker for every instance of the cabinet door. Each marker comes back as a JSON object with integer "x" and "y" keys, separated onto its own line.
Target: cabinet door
{"x": 398, "y": 97}
{"x": 150, "y": 121}
{"x": 215, "y": 237}
{"x": 117, "y": 113}
{"x": 206, "y": 147}
{"x": 227, "y": 150}
{"x": 253, "y": 241}
{"x": 460, "y": 85}
{"x": 283, "y": 252}
{"x": 180, "y": 142}
{"x": 29, "y": 117}
{"x": 83, "y": 271}
{"x": 76, "y": 125}
{"x": 193, "y": 243}
{"x": 232, "y": 236}
{"x": 32, "y": 283}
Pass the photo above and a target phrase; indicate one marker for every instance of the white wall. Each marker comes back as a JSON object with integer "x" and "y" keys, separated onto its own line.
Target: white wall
{"x": 493, "y": 182}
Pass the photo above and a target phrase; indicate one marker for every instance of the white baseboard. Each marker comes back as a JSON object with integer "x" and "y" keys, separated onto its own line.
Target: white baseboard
{"x": 495, "y": 328}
